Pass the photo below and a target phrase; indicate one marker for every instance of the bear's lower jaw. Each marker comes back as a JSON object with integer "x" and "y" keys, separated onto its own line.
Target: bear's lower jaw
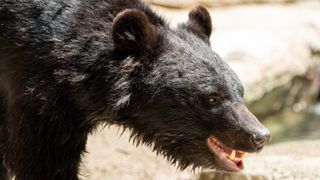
{"x": 229, "y": 159}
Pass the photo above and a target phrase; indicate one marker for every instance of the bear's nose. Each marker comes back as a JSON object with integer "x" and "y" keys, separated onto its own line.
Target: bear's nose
{"x": 261, "y": 138}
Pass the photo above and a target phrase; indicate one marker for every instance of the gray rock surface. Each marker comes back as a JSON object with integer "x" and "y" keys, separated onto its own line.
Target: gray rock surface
{"x": 211, "y": 3}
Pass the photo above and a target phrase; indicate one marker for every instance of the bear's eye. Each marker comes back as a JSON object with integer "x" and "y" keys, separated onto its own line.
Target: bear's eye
{"x": 214, "y": 99}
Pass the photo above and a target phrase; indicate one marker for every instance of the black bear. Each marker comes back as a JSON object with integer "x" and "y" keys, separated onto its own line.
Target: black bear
{"x": 67, "y": 66}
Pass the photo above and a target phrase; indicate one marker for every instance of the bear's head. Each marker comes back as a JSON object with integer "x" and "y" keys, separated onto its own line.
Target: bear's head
{"x": 179, "y": 96}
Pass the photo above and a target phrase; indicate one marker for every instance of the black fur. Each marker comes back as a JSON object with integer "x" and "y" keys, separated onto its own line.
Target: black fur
{"x": 67, "y": 66}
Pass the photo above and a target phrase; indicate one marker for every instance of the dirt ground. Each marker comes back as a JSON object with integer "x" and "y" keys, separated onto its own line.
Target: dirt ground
{"x": 112, "y": 157}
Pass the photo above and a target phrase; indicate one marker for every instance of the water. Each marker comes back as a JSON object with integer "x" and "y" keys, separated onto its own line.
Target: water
{"x": 295, "y": 124}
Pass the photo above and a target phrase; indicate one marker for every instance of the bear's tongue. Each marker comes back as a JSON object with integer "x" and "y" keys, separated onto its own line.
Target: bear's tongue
{"x": 229, "y": 157}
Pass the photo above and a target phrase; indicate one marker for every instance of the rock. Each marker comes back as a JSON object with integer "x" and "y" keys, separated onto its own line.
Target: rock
{"x": 210, "y": 3}
{"x": 178, "y": 4}
{"x": 213, "y": 175}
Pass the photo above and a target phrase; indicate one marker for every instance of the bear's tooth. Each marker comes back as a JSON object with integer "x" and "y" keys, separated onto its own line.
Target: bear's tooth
{"x": 233, "y": 155}
{"x": 241, "y": 154}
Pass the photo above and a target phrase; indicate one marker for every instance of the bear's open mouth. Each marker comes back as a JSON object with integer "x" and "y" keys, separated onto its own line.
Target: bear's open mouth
{"x": 228, "y": 158}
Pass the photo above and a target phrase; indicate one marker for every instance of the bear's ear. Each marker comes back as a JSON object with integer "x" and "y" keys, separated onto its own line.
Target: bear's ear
{"x": 199, "y": 23}
{"x": 133, "y": 33}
